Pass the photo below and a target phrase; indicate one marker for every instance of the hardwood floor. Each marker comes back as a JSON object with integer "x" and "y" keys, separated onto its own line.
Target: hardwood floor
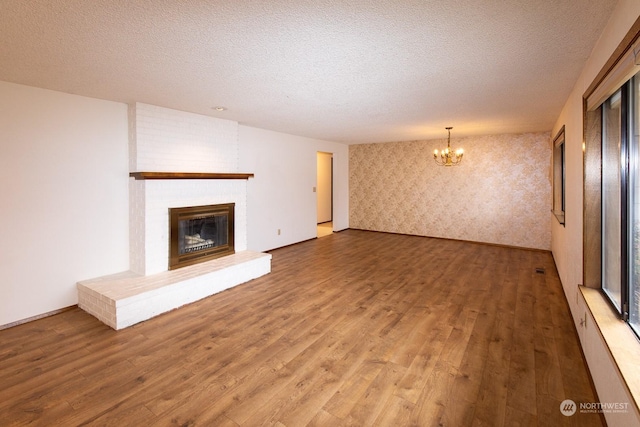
{"x": 357, "y": 328}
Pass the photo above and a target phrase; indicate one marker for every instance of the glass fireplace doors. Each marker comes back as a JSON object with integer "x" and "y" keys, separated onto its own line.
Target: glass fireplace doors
{"x": 200, "y": 233}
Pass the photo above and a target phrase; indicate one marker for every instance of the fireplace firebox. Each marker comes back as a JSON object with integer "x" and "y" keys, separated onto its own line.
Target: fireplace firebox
{"x": 200, "y": 233}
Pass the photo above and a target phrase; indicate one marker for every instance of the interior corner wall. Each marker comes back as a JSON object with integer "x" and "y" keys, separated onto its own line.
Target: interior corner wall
{"x": 280, "y": 196}
{"x": 567, "y": 241}
{"x": 64, "y": 185}
{"x": 490, "y": 197}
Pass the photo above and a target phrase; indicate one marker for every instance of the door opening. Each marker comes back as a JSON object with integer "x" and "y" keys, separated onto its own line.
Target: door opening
{"x": 324, "y": 193}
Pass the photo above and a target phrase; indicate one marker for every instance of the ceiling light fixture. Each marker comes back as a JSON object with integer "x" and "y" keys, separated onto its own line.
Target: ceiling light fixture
{"x": 448, "y": 157}
{"x": 219, "y": 108}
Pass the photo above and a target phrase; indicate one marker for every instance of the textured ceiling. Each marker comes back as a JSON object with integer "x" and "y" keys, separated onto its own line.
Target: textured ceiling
{"x": 356, "y": 71}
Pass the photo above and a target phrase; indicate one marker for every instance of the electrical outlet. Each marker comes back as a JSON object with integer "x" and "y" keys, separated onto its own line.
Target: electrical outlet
{"x": 583, "y": 320}
{"x": 314, "y": 189}
{"x": 278, "y": 231}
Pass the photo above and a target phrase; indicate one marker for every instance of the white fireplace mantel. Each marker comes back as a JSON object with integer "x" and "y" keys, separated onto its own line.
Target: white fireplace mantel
{"x": 189, "y": 175}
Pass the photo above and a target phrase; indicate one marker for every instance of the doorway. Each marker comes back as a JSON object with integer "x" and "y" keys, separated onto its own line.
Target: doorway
{"x": 324, "y": 193}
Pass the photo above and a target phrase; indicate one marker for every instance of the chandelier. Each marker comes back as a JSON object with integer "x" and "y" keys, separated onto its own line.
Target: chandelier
{"x": 448, "y": 157}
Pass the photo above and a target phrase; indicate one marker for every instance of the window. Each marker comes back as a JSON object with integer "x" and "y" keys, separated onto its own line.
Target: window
{"x": 558, "y": 176}
{"x": 621, "y": 201}
{"x": 611, "y": 191}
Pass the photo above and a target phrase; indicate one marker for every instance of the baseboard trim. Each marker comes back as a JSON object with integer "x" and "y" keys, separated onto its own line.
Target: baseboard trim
{"x": 456, "y": 240}
{"x": 37, "y": 317}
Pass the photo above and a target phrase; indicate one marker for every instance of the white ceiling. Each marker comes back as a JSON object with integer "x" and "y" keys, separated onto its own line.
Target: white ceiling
{"x": 350, "y": 71}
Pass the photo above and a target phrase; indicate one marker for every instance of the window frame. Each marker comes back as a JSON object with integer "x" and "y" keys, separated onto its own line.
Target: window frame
{"x": 559, "y": 176}
{"x": 616, "y": 73}
{"x": 620, "y": 307}
{"x": 618, "y": 337}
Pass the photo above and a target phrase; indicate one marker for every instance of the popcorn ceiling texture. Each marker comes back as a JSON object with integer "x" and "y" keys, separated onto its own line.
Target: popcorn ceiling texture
{"x": 347, "y": 71}
{"x": 501, "y": 193}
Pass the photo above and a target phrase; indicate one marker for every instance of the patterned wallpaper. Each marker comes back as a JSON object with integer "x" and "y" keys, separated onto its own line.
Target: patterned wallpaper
{"x": 501, "y": 193}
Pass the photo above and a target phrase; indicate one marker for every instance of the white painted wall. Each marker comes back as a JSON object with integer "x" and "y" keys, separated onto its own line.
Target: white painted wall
{"x": 64, "y": 186}
{"x": 567, "y": 241}
{"x": 281, "y": 196}
{"x": 64, "y": 183}
{"x": 323, "y": 181}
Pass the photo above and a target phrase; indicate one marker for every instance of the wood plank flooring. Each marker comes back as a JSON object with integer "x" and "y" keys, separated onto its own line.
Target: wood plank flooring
{"x": 354, "y": 329}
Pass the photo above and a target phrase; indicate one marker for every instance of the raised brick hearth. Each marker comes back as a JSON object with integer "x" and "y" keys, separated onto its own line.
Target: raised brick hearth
{"x": 127, "y": 298}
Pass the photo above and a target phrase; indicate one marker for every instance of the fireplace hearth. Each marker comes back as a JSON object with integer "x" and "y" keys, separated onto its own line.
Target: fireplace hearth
{"x": 200, "y": 233}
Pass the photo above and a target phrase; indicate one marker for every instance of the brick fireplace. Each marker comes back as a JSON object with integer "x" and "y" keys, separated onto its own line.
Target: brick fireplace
{"x": 177, "y": 160}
